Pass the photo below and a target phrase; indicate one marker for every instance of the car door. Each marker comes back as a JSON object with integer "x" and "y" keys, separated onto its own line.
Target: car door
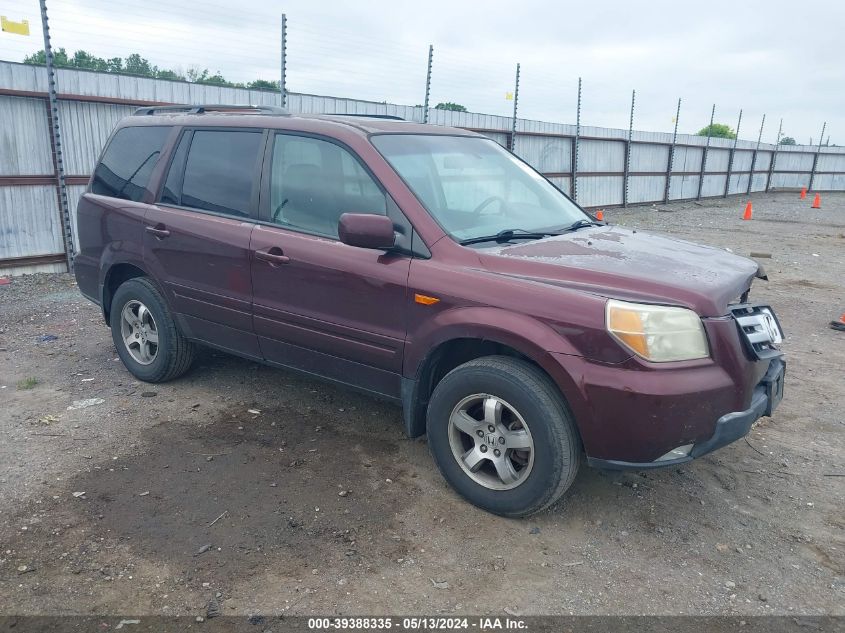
{"x": 197, "y": 240}
{"x": 322, "y": 306}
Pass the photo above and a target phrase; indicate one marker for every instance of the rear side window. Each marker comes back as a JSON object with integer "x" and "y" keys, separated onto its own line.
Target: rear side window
{"x": 218, "y": 173}
{"x": 124, "y": 171}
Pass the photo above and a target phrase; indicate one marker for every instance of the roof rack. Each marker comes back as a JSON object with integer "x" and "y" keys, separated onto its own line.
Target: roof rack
{"x": 390, "y": 117}
{"x": 203, "y": 109}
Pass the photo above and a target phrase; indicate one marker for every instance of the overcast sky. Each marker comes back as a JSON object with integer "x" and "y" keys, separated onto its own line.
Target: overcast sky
{"x": 781, "y": 58}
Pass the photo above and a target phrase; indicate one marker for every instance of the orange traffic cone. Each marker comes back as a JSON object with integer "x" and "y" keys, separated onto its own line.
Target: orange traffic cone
{"x": 600, "y": 215}
{"x": 817, "y": 202}
{"x": 748, "y": 212}
{"x": 803, "y": 193}
{"x": 839, "y": 325}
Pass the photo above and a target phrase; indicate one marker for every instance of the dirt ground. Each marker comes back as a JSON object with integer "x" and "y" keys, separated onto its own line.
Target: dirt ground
{"x": 271, "y": 493}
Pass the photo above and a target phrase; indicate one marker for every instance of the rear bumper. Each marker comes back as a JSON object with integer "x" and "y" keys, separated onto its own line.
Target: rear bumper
{"x": 729, "y": 427}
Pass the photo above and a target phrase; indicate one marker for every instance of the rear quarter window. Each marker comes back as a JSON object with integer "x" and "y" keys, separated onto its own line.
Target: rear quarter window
{"x": 125, "y": 168}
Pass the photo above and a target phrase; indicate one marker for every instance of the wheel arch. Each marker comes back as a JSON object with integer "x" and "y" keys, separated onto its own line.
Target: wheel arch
{"x": 457, "y": 345}
{"x": 117, "y": 274}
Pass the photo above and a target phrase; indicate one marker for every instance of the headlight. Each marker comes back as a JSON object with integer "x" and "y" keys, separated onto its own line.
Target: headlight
{"x": 657, "y": 333}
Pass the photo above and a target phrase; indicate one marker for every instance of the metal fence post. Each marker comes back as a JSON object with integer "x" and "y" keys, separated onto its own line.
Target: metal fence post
{"x": 428, "y": 83}
{"x": 283, "y": 89}
{"x": 773, "y": 158}
{"x": 575, "y": 144}
{"x": 671, "y": 164}
{"x": 56, "y": 139}
{"x": 515, "y": 106}
{"x": 704, "y": 154}
{"x": 754, "y": 156}
{"x": 731, "y": 156}
{"x": 628, "y": 151}
{"x": 816, "y": 158}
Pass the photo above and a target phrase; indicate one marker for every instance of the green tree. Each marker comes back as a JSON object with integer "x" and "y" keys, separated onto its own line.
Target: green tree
{"x": 787, "y": 140}
{"x": 263, "y": 84}
{"x": 60, "y": 58}
{"x": 134, "y": 64}
{"x": 448, "y": 105}
{"x": 137, "y": 65}
{"x": 169, "y": 74}
{"x": 717, "y": 130}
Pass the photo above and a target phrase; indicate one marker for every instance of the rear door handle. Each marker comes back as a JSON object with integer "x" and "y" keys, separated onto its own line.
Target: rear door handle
{"x": 274, "y": 256}
{"x": 159, "y": 231}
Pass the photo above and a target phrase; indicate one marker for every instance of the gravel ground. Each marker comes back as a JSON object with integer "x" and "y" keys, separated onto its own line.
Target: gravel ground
{"x": 268, "y": 493}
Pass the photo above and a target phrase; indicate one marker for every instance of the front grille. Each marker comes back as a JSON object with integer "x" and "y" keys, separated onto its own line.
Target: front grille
{"x": 759, "y": 330}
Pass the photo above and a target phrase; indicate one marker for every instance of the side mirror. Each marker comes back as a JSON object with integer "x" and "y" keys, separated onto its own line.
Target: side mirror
{"x": 366, "y": 230}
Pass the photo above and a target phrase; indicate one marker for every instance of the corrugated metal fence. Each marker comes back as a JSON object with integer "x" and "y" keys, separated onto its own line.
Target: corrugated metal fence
{"x": 90, "y": 104}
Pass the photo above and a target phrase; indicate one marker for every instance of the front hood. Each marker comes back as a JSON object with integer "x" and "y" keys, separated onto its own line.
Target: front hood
{"x": 630, "y": 264}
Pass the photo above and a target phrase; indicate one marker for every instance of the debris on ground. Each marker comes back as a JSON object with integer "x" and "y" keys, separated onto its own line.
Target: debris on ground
{"x": 84, "y": 404}
{"x": 212, "y": 610}
{"x": 203, "y": 549}
{"x": 46, "y": 338}
{"x": 439, "y": 584}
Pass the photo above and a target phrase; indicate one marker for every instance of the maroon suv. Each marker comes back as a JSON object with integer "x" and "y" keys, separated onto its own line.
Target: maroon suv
{"x": 429, "y": 266}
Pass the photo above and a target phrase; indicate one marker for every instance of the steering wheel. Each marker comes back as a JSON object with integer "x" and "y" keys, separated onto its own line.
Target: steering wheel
{"x": 486, "y": 203}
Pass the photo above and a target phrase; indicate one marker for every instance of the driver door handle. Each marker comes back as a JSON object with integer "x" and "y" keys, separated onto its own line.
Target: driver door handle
{"x": 159, "y": 231}
{"x": 273, "y": 256}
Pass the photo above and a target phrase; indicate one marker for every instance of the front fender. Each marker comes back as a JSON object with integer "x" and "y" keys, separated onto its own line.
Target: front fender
{"x": 529, "y": 336}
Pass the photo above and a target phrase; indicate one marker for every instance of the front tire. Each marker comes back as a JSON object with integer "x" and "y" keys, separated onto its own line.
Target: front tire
{"x": 502, "y": 436}
{"x": 145, "y": 335}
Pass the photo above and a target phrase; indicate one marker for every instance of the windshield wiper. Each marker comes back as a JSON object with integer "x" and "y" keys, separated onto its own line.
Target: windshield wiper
{"x": 580, "y": 224}
{"x": 507, "y": 235}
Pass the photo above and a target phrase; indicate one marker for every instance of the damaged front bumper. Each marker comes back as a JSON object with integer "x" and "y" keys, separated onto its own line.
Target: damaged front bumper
{"x": 730, "y": 427}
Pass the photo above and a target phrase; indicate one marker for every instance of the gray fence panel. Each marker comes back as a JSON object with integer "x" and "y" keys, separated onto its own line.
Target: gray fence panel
{"x": 717, "y": 160}
{"x": 597, "y": 191}
{"x": 562, "y": 182}
{"x": 764, "y": 158}
{"x": 500, "y": 137}
{"x": 547, "y": 154}
{"x": 742, "y": 160}
{"x": 831, "y": 162}
{"x": 29, "y": 221}
{"x": 85, "y": 128}
{"x": 688, "y": 159}
{"x": 24, "y": 137}
{"x": 714, "y": 185}
{"x": 600, "y": 156}
{"x": 649, "y": 157}
{"x": 793, "y": 161}
{"x": 759, "y": 182}
{"x": 739, "y": 183}
{"x": 683, "y": 187}
{"x": 829, "y": 182}
{"x": 646, "y": 189}
{"x": 790, "y": 181}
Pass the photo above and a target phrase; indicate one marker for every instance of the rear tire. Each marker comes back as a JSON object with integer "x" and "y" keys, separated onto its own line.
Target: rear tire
{"x": 145, "y": 335}
{"x": 502, "y": 436}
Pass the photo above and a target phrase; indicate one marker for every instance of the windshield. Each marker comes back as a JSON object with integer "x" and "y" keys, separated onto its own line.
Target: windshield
{"x": 473, "y": 187}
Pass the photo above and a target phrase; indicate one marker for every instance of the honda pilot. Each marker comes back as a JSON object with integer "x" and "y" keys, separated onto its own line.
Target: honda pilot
{"x": 431, "y": 267}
